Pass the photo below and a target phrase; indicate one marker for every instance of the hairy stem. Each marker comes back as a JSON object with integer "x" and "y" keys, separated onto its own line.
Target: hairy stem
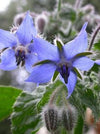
{"x": 54, "y": 95}
{"x": 93, "y": 37}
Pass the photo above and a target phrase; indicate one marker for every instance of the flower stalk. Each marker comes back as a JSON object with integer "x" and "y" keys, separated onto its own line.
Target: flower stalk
{"x": 51, "y": 101}
{"x": 93, "y": 37}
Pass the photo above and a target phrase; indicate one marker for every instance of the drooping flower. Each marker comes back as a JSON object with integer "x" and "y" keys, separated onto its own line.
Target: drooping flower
{"x": 16, "y": 46}
{"x": 63, "y": 59}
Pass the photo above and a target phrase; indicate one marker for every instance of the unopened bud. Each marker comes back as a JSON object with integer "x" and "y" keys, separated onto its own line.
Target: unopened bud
{"x": 40, "y": 22}
{"x": 50, "y": 115}
{"x": 68, "y": 118}
{"x": 18, "y": 19}
{"x": 89, "y": 119}
{"x": 88, "y": 9}
{"x": 97, "y": 127}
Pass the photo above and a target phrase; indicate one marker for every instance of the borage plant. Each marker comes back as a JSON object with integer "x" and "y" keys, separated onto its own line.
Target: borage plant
{"x": 60, "y": 103}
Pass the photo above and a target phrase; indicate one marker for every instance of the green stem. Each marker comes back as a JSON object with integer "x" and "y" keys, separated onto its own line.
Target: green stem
{"x": 52, "y": 98}
{"x": 59, "y": 5}
{"x": 59, "y": 8}
{"x": 64, "y": 99}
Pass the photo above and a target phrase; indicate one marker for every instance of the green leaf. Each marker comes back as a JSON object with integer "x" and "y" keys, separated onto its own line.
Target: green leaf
{"x": 25, "y": 117}
{"x": 75, "y": 101}
{"x": 91, "y": 100}
{"x": 42, "y": 62}
{"x": 8, "y": 96}
{"x": 56, "y": 73}
{"x": 79, "y": 126}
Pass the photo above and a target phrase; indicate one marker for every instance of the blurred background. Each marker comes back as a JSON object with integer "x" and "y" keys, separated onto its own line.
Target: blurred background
{"x": 47, "y": 10}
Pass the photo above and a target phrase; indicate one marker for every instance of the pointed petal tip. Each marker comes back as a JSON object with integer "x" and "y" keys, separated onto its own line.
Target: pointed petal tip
{"x": 27, "y": 15}
{"x": 97, "y": 62}
{"x": 27, "y": 12}
{"x": 68, "y": 96}
{"x": 26, "y": 30}
{"x": 84, "y": 26}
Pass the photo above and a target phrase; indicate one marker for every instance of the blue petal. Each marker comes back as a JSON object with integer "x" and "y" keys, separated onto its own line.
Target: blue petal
{"x": 78, "y": 45}
{"x": 97, "y": 62}
{"x": 45, "y": 50}
{"x": 72, "y": 79}
{"x": 31, "y": 47}
{"x": 8, "y": 60}
{"x": 84, "y": 26}
{"x": 71, "y": 82}
{"x": 7, "y": 39}
{"x": 42, "y": 73}
{"x": 30, "y": 60}
{"x": 26, "y": 30}
{"x": 83, "y": 63}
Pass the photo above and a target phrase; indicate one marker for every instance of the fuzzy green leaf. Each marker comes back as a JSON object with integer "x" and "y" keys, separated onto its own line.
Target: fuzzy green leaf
{"x": 25, "y": 117}
{"x": 91, "y": 100}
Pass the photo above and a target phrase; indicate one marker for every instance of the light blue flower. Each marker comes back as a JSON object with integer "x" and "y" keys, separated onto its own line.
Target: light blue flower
{"x": 16, "y": 46}
{"x": 64, "y": 59}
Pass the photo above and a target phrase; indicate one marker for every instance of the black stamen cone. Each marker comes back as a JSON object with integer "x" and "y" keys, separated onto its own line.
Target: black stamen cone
{"x": 64, "y": 73}
{"x": 20, "y": 58}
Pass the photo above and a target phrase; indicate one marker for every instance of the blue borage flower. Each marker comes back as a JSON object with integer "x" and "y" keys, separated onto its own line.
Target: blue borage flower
{"x": 63, "y": 59}
{"x": 16, "y": 46}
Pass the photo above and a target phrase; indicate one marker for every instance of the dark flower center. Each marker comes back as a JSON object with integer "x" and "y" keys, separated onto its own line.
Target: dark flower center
{"x": 63, "y": 70}
{"x": 20, "y": 56}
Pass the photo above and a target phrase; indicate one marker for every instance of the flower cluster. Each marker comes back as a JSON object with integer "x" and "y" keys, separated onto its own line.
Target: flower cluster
{"x": 43, "y": 59}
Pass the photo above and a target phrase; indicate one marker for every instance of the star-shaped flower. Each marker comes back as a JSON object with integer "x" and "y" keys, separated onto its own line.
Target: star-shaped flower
{"x": 16, "y": 46}
{"x": 66, "y": 60}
